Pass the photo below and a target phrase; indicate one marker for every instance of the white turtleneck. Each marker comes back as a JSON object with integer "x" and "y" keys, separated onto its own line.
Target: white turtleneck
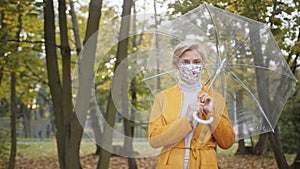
{"x": 190, "y": 96}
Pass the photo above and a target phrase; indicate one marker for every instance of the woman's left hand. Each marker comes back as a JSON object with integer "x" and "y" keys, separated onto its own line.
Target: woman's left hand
{"x": 207, "y": 103}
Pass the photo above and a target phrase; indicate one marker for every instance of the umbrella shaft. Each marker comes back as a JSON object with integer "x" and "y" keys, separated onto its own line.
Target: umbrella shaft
{"x": 216, "y": 74}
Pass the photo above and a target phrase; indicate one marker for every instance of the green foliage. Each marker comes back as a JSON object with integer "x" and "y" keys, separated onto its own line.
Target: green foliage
{"x": 289, "y": 124}
{"x": 4, "y": 107}
{"x": 21, "y": 49}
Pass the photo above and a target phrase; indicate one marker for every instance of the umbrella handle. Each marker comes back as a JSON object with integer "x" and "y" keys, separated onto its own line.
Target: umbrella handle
{"x": 195, "y": 116}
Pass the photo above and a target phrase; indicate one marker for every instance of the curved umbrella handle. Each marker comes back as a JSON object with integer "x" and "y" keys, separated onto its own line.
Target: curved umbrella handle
{"x": 195, "y": 116}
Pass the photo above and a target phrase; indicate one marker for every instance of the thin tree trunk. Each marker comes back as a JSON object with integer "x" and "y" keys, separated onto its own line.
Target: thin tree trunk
{"x": 86, "y": 67}
{"x": 13, "y": 101}
{"x": 239, "y": 111}
{"x": 75, "y": 28}
{"x": 13, "y": 149}
{"x": 95, "y": 125}
{"x": 128, "y": 123}
{"x": 86, "y": 62}
{"x": 111, "y": 109}
{"x": 93, "y": 19}
{"x": 26, "y": 119}
{"x": 54, "y": 77}
{"x": 260, "y": 145}
{"x": 72, "y": 128}
{"x": 278, "y": 150}
{"x": 296, "y": 163}
{"x": 3, "y": 38}
{"x": 158, "y": 85}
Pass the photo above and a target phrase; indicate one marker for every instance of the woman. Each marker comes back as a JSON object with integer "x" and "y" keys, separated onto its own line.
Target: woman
{"x": 186, "y": 143}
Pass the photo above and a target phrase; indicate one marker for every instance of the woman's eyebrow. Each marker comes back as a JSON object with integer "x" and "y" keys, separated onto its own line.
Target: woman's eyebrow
{"x": 198, "y": 60}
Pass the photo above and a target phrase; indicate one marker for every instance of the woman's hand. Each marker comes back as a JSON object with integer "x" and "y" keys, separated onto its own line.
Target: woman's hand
{"x": 207, "y": 103}
{"x": 191, "y": 109}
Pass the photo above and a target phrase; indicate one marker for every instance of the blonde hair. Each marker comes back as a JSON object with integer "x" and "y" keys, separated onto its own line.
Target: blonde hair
{"x": 188, "y": 45}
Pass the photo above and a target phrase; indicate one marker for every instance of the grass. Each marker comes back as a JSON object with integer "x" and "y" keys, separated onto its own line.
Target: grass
{"x": 35, "y": 148}
{"x": 231, "y": 150}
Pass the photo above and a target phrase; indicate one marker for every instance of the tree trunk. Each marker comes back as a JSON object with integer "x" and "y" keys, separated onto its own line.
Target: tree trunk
{"x": 95, "y": 125}
{"x": 72, "y": 128}
{"x": 75, "y": 28}
{"x": 260, "y": 145}
{"x": 296, "y": 163}
{"x": 111, "y": 109}
{"x": 86, "y": 68}
{"x": 158, "y": 83}
{"x": 278, "y": 150}
{"x": 86, "y": 62}
{"x": 13, "y": 149}
{"x": 242, "y": 148}
{"x": 129, "y": 127}
{"x": 3, "y": 38}
{"x": 54, "y": 77}
{"x": 13, "y": 101}
{"x": 26, "y": 120}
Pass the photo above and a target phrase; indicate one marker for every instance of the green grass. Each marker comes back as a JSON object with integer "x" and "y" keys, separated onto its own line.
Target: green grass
{"x": 28, "y": 140}
{"x": 49, "y": 148}
{"x": 37, "y": 149}
{"x": 231, "y": 150}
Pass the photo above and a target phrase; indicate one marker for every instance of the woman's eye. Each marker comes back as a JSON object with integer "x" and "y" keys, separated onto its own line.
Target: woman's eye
{"x": 197, "y": 62}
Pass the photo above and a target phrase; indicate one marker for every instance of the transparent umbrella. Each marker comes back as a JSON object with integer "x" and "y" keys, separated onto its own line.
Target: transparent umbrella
{"x": 244, "y": 64}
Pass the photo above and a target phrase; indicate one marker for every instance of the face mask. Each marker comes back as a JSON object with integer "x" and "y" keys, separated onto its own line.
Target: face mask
{"x": 190, "y": 73}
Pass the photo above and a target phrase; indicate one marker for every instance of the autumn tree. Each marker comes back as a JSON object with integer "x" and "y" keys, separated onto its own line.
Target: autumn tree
{"x": 111, "y": 109}
{"x": 18, "y": 49}
{"x": 69, "y": 129}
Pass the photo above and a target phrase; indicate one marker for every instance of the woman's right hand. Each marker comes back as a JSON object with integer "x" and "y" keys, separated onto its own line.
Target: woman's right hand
{"x": 191, "y": 109}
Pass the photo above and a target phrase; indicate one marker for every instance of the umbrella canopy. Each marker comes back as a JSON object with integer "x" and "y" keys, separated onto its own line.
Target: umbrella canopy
{"x": 244, "y": 64}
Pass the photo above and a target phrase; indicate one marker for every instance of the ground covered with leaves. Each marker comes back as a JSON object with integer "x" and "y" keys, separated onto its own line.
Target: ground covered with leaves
{"x": 43, "y": 155}
{"x": 90, "y": 162}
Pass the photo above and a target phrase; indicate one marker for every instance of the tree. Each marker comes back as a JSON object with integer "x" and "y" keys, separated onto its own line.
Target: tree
{"x": 111, "y": 109}
{"x": 128, "y": 124}
{"x": 13, "y": 104}
{"x": 15, "y": 56}
{"x": 86, "y": 63}
{"x": 69, "y": 131}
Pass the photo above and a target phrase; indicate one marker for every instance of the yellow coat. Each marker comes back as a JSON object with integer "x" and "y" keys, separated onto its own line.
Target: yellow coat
{"x": 168, "y": 130}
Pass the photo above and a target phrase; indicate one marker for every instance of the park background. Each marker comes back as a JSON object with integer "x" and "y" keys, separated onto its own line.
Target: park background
{"x": 41, "y": 42}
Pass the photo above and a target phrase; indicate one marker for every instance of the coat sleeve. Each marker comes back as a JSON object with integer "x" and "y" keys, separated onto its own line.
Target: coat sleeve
{"x": 221, "y": 127}
{"x": 224, "y": 133}
{"x": 162, "y": 133}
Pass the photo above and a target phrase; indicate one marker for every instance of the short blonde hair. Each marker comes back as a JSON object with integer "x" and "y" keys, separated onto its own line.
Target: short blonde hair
{"x": 185, "y": 46}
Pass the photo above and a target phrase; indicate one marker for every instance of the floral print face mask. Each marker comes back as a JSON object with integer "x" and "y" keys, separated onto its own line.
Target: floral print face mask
{"x": 190, "y": 73}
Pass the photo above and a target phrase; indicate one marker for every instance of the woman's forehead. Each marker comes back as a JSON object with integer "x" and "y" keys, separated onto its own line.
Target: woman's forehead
{"x": 189, "y": 54}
